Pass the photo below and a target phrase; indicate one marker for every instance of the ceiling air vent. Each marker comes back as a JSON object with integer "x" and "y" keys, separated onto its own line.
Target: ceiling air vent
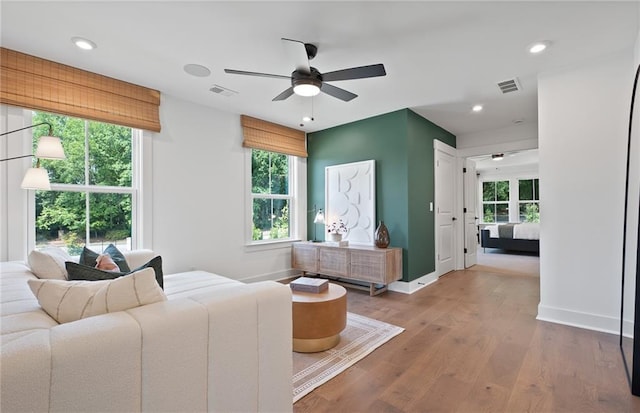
{"x": 222, "y": 90}
{"x": 510, "y": 85}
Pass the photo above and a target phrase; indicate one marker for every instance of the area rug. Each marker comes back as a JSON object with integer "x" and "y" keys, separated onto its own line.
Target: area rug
{"x": 361, "y": 336}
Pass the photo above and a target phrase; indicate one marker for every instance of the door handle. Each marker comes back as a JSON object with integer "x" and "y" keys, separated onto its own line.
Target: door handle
{"x": 453, "y": 218}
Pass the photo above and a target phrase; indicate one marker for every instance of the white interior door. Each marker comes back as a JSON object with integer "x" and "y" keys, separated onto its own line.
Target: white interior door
{"x": 470, "y": 214}
{"x": 445, "y": 212}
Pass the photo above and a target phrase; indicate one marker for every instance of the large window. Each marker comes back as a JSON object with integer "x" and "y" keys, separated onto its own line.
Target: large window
{"x": 93, "y": 191}
{"x": 271, "y": 194}
{"x": 495, "y": 201}
{"x": 529, "y": 199}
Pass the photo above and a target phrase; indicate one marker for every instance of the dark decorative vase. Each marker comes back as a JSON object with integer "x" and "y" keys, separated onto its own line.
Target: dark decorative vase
{"x": 382, "y": 236}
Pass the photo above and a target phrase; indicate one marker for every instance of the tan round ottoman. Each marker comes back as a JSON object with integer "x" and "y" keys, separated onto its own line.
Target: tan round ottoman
{"x": 318, "y": 319}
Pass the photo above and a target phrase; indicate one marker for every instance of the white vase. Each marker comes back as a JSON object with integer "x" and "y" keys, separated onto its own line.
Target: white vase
{"x": 335, "y": 237}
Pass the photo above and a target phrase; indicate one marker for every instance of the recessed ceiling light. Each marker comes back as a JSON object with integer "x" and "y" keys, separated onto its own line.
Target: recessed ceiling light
{"x": 84, "y": 44}
{"x": 306, "y": 118}
{"x": 497, "y": 156}
{"x": 477, "y": 108}
{"x": 197, "y": 70}
{"x": 538, "y": 47}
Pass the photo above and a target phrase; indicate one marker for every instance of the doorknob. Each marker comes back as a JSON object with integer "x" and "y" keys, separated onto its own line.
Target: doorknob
{"x": 453, "y": 218}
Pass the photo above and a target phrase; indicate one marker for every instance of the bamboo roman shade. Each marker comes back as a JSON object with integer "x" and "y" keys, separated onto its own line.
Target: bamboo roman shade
{"x": 260, "y": 134}
{"x": 34, "y": 83}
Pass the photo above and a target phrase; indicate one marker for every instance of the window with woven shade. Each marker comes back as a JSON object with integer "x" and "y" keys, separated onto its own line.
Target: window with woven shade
{"x": 274, "y": 150}
{"x": 267, "y": 136}
{"x": 39, "y": 84}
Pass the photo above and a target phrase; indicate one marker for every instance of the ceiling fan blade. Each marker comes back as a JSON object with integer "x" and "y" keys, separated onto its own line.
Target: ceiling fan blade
{"x": 284, "y": 95}
{"x": 298, "y": 53}
{"x": 336, "y": 92}
{"x": 355, "y": 73}
{"x": 242, "y": 72}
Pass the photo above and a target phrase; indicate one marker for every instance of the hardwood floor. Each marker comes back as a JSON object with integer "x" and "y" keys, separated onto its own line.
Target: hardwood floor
{"x": 472, "y": 344}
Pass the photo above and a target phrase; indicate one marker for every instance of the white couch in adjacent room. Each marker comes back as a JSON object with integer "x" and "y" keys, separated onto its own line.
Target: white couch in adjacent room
{"x": 215, "y": 344}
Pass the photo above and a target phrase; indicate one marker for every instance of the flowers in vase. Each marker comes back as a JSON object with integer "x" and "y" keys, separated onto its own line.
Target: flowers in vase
{"x": 337, "y": 227}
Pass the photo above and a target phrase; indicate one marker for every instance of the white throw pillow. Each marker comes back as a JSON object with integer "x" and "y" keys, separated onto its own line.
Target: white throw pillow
{"x": 49, "y": 263}
{"x": 67, "y": 301}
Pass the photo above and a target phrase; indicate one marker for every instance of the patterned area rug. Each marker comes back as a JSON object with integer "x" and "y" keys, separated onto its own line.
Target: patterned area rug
{"x": 361, "y": 336}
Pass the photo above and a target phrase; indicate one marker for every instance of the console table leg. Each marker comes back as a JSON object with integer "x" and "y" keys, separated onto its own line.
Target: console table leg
{"x": 373, "y": 291}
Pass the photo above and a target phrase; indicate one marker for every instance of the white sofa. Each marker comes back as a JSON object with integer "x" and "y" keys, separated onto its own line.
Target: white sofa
{"x": 216, "y": 344}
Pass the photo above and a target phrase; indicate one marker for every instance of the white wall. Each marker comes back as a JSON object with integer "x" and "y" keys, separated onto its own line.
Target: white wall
{"x": 583, "y": 116}
{"x": 634, "y": 200}
{"x": 513, "y": 138}
{"x": 199, "y": 194}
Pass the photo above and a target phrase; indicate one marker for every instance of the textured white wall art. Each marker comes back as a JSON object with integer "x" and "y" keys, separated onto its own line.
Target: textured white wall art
{"x": 350, "y": 191}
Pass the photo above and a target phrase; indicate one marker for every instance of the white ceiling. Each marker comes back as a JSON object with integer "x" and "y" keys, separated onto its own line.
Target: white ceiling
{"x": 515, "y": 159}
{"x": 441, "y": 57}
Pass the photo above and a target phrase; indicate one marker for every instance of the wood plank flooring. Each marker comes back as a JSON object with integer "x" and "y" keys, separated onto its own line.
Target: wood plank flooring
{"x": 472, "y": 344}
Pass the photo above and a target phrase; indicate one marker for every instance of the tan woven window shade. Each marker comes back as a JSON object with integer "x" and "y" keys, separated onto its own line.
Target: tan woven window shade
{"x": 34, "y": 83}
{"x": 260, "y": 134}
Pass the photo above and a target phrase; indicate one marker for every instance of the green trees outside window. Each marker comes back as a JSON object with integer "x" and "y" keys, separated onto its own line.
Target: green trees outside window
{"x": 91, "y": 199}
{"x": 495, "y": 201}
{"x": 270, "y": 180}
{"x": 529, "y": 198}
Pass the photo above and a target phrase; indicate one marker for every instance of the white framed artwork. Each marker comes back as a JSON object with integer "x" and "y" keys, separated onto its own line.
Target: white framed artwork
{"x": 350, "y": 196}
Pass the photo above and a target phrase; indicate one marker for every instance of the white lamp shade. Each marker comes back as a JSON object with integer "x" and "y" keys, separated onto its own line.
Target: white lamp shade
{"x": 50, "y": 147}
{"x": 319, "y": 219}
{"x": 36, "y": 178}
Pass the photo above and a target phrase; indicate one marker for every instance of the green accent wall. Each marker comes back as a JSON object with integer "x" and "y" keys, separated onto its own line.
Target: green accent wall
{"x": 401, "y": 143}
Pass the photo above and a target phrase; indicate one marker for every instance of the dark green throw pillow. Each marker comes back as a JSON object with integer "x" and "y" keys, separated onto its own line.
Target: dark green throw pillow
{"x": 87, "y": 273}
{"x": 89, "y": 257}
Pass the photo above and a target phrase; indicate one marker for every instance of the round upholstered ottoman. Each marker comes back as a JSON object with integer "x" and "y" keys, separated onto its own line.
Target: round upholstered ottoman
{"x": 318, "y": 319}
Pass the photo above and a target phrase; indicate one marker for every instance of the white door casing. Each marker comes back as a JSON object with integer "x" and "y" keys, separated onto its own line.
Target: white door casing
{"x": 470, "y": 213}
{"x": 445, "y": 219}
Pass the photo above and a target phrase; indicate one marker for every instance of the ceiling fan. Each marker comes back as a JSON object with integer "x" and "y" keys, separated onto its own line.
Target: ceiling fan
{"x": 308, "y": 81}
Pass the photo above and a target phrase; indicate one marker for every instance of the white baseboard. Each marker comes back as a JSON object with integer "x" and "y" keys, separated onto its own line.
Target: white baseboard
{"x": 627, "y": 328}
{"x": 579, "y": 319}
{"x": 413, "y": 286}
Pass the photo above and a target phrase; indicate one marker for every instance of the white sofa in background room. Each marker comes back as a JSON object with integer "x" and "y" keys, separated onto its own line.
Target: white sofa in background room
{"x": 215, "y": 344}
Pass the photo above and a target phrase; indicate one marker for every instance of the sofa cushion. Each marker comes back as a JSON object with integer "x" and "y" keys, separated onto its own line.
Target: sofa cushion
{"x": 48, "y": 263}
{"x": 67, "y": 301}
{"x": 195, "y": 283}
{"x": 88, "y": 257}
{"x": 26, "y": 321}
{"x": 86, "y": 273}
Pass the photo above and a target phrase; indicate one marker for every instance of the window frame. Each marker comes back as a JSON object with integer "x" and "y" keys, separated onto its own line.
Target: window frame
{"x": 294, "y": 204}
{"x": 536, "y": 195}
{"x": 495, "y": 202}
{"x": 140, "y": 139}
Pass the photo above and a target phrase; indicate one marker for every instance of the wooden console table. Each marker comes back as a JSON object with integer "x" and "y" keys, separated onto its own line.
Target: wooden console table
{"x": 377, "y": 267}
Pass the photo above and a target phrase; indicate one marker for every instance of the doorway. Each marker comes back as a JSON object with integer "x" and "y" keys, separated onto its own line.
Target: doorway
{"x": 515, "y": 173}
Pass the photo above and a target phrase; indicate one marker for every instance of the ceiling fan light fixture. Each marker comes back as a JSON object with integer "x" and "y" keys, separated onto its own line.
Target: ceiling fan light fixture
{"x": 306, "y": 87}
